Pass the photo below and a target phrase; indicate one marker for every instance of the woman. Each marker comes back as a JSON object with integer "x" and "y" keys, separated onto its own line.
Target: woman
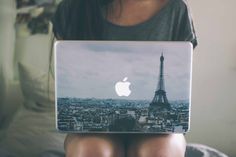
{"x": 165, "y": 20}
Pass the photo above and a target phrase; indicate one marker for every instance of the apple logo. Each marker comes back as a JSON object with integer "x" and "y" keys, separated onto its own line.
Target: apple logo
{"x": 122, "y": 88}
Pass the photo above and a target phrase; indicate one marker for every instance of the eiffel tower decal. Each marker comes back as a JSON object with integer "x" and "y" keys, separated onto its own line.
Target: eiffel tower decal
{"x": 160, "y": 100}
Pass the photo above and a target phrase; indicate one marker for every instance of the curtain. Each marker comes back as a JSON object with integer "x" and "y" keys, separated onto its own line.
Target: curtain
{"x": 7, "y": 44}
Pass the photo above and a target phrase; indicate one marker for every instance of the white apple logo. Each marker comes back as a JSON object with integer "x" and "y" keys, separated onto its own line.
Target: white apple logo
{"x": 122, "y": 88}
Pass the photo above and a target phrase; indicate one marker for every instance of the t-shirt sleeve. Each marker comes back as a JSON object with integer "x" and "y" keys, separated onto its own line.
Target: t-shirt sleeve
{"x": 186, "y": 30}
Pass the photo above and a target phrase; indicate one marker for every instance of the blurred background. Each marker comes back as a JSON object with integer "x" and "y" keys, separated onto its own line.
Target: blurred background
{"x": 214, "y": 75}
{"x": 25, "y": 38}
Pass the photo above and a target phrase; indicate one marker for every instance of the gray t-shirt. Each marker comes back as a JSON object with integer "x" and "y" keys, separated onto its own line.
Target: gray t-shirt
{"x": 172, "y": 23}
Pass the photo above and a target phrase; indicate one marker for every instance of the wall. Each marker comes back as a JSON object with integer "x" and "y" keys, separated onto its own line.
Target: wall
{"x": 214, "y": 75}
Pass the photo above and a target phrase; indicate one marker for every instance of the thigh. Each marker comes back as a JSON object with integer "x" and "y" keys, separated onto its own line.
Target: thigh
{"x": 156, "y": 145}
{"x": 93, "y": 145}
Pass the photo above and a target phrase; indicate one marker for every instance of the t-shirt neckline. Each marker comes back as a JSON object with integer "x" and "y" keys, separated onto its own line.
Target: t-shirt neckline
{"x": 156, "y": 15}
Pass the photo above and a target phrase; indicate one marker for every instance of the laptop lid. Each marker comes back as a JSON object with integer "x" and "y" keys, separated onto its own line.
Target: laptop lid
{"x": 123, "y": 86}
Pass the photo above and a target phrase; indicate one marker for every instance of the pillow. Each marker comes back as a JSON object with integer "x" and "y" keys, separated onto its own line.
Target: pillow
{"x": 37, "y": 87}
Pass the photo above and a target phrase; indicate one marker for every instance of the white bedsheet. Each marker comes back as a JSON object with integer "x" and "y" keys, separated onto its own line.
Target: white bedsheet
{"x": 31, "y": 133}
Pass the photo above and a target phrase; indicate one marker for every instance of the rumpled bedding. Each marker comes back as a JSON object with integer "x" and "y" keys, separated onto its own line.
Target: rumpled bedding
{"x": 198, "y": 150}
{"x": 33, "y": 134}
{"x": 30, "y": 134}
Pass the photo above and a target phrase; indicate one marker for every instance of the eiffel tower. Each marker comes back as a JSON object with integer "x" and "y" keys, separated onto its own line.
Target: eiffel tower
{"x": 160, "y": 100}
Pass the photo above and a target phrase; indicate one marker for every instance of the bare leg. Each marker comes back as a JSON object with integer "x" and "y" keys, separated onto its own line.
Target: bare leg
{"x": 93, "y": 145}
{"x": 172, "y": 145}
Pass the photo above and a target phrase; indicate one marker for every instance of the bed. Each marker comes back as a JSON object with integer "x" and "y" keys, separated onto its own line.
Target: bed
{"x": 32, "y": 131}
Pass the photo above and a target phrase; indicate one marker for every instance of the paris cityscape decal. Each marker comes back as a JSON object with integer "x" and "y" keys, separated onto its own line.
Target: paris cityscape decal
{"x": 131, "y": 87}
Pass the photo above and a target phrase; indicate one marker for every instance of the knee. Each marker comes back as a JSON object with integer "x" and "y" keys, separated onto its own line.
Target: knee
{"x": 172, "y": 145}
{"x": 92, "y": 146}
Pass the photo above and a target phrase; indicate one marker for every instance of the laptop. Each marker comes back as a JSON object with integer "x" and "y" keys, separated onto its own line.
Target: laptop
{"x": 123, "y": 86}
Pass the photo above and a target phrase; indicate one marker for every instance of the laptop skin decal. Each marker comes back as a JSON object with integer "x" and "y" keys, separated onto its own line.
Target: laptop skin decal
{"x": 123, "y": 87}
